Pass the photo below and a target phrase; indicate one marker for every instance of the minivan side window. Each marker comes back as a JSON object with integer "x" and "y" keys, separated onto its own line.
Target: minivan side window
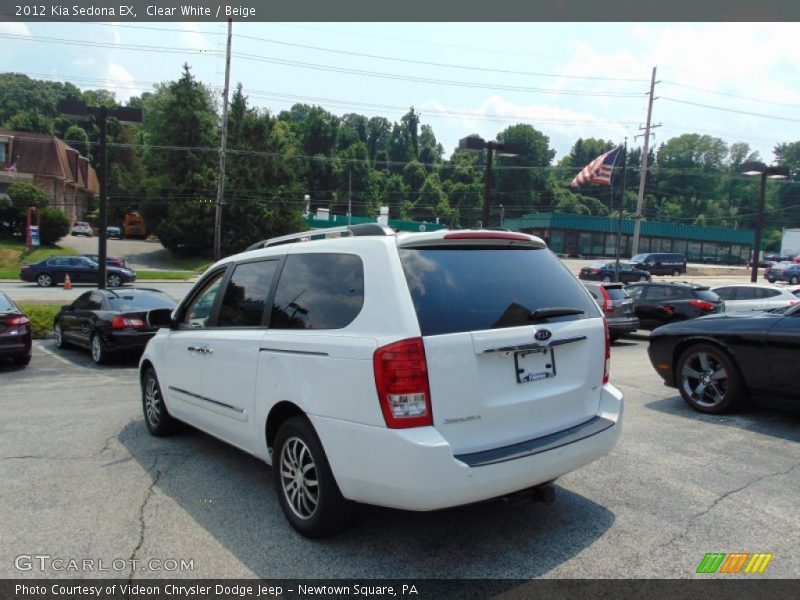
{"x": 318, "y": 291}
{"x": 199, "y": 310}
{"x": 246, "y": 294}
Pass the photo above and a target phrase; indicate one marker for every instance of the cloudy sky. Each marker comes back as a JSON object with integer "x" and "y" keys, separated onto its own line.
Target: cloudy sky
{"x": 736, "y": 81}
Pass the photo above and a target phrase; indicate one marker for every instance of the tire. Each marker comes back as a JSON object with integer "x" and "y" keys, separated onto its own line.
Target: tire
{"x": 317, "y": 508}
{"x": 713, "y": 372}
{"x": 158, "y": 420}
{"x": 794, "y": 280}
{"x": 45, "y": 280}
{"x": 643, "y": 278}
{"x": 771, "y": 279}
{"x": 98, "y": 350}
{"x": 676, "y": 273}
{"x": 606, "y": 279}
{"x": 113, "y": 280}
{"x": 22, "y": 359}
{"x": 58, "y": 334}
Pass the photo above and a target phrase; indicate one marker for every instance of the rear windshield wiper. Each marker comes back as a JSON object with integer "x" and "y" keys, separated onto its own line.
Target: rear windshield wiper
{"x": 545, "y": 313}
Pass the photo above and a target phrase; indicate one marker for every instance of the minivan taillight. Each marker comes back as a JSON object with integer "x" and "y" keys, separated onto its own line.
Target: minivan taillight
{"x": 401, "y": 378}
{"x": 18, "y": 321}
{"x": 607, "y": 367}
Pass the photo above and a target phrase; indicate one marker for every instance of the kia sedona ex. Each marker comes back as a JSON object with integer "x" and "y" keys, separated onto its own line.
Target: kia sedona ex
{"x": 412, "y": 371}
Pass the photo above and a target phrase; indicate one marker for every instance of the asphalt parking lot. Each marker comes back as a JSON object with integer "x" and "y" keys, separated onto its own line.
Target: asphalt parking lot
{"x": 82, "y": 478}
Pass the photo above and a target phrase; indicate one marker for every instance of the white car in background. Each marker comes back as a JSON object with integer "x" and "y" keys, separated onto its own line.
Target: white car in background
{"x": 748, "y": 297}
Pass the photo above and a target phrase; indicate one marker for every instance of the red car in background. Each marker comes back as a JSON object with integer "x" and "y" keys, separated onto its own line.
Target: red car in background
{"x": 15, "y": 332}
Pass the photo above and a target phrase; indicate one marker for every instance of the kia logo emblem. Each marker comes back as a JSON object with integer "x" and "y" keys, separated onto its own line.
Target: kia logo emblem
{"x": 542, "y": 335}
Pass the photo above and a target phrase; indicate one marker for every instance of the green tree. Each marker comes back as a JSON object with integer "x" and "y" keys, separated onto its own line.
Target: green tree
{"x": 53, "y": 225}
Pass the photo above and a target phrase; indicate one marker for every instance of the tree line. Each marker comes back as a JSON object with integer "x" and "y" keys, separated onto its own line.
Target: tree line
{"x": 166, "y": 168}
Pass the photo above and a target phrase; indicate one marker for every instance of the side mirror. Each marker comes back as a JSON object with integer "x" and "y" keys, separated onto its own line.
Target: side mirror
{"x": 159, "y": 317}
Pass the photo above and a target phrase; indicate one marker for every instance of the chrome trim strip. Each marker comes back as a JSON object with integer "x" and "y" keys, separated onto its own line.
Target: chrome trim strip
{"x": 535, "y": 345}
{"x": 174, "y": 389}
{"x": 303, "y": 352}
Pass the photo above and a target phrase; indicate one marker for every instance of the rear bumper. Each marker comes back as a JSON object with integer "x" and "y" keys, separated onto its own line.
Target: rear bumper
{"x": 415, "y": 469}
{"x": 15, "y": 345}
{"x": 127, "y": 341}
{"x": 622, "y": 325}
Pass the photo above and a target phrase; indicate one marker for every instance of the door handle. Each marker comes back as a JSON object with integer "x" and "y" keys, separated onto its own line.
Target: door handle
{"x": 201, "y": 349}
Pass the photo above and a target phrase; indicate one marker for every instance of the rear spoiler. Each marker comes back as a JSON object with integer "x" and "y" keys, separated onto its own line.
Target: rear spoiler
{"x": 471, "y": 237}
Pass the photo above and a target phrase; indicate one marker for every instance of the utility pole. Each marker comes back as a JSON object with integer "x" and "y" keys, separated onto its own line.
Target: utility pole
{"x": 222, "y": 147}
{"x": 637, "y": 224}
{"x": 349, "y": 196}
{"x": 102, "y": 236}
{"x": 487, "y": 185}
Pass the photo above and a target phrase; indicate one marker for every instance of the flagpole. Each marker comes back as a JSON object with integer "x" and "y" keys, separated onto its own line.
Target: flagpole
{"x": 621, "y": 206}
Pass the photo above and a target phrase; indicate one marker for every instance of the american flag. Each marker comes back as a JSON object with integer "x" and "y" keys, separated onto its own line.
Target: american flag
{"x": 599, "y": 170}
{"x": 12, "y": 170}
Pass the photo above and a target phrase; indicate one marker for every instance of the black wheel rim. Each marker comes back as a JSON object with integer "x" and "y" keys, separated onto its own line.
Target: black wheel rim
{"x": 704, "y": 379}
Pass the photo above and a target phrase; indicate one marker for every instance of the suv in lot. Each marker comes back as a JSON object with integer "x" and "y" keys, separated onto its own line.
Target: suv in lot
{"x": 81, "y": 228}
{"x": 661, "y": 303}
{"x": 618, "y": 307}
{"x": 419, "y": 371}
{"x": 661, "y": 263}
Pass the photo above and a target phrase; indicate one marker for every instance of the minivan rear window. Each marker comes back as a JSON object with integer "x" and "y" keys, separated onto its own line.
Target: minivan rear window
{"x": 473, "y": 289}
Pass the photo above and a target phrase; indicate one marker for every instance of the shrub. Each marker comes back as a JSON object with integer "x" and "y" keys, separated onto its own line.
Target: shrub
{"x": 53, "y": 225}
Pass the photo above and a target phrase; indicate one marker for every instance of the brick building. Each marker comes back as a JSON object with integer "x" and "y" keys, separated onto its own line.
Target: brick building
{"x": 66, "y": 177}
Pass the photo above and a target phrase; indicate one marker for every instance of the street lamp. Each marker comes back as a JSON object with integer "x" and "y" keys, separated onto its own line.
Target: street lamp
{"x": 765, "y": 172}
{"x": 79, "y": 110}
{"x": 476, "y": 143}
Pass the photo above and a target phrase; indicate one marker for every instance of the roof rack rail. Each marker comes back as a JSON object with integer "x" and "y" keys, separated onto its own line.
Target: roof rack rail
{"x": 361, "y": 229}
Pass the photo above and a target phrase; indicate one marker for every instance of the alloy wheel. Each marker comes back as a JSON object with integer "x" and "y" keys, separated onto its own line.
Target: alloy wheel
{"x": 704, "y": 379}
{"x": 299, "y": 478}
{"x": 114, "y": 280}
{"x": 152, "y": 402}
{"x": 97, "y": 349}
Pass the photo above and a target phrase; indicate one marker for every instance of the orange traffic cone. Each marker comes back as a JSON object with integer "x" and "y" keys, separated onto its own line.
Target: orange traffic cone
{"x": 67, "y": 283}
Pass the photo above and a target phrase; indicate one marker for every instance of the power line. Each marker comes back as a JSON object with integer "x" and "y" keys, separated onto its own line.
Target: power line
{"x": 730, "y": 110}
{"x": 729, "y": 95}
{"x": 438, "y": 64}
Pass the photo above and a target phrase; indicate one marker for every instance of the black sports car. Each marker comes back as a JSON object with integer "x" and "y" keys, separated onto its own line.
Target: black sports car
{"x": 719, "y": 362}
{"x": 108, "y": 321}
{"x": 604, "y": 271}
{"x": 53, "y": 270}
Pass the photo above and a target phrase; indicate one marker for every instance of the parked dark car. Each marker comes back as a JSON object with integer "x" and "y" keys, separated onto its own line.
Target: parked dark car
{"x": 110, "y": 260}
{"x": 113, "y": 232}
{"x": 659, "y": 303}
{"x": 53, "y": 270}
{"x": 109, "y": 321}
{"x": 785, "y": 271}
{"x": 15, "y": 332}
{"x": 617, "y": 306}
{"x": 661, "y": 263}
{"x": 604, "y": 271}
{"x": 720, "y": 362}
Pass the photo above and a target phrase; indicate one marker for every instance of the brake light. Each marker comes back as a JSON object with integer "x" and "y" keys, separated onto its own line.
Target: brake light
{"x": 401, "y": 378}
{"x": 121, "y": 322}
{"x": 487, "y": 235}
{"x": 702, "y": 304}
{"x": 606, "y": 300}
{"x": 793, "y": 302}
{"x": 18, "y": 321}
{"x": 607, "y": 367}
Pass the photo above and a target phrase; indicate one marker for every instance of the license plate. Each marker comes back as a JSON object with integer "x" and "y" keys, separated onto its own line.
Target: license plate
{"x": 533, "y": 365}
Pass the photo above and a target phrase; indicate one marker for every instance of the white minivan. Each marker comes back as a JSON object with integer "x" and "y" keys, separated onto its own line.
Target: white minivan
{"x": 419, "y": 371}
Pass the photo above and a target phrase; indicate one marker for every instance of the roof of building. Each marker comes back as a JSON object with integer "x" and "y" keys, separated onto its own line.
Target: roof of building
{"x": 46, "y": 155}
{"x": 656, "y": 229}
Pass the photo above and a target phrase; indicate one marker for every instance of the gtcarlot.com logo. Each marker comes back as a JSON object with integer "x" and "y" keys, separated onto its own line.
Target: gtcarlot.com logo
{"x": 735, "y": 562}
{"x": 46, "y": 562}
